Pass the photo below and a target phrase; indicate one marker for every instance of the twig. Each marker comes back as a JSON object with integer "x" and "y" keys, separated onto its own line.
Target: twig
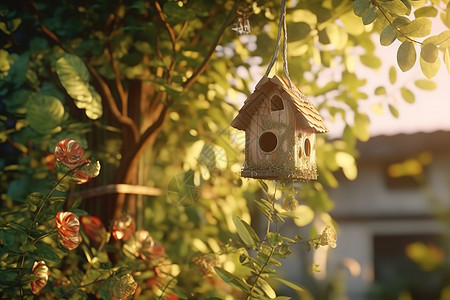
{"x": 183, "y": 29}
{"x": 104, "y": 86}
{"x": 122, "y": 94}
{"x": 212, "y": 49}
{"x": 173, "y": 39}
{"x": 390, "y": 22}
{"x": 260, "y": 272}
{"x": 112, "y": 104}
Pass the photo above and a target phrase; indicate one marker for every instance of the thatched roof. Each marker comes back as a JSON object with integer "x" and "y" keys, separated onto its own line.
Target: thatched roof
{"x": 295, "y": 95}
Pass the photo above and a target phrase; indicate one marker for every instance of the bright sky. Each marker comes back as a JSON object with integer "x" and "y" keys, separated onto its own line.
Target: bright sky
{"x": 430, "y": 111}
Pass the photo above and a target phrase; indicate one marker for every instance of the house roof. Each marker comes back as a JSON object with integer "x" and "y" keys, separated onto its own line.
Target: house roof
{"x": 298, "y": 100}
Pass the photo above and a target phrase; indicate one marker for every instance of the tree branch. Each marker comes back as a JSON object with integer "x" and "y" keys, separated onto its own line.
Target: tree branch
{"x": 106, "y": 91}
{"x": 122, "y": 94}
{"x": 208, "y": 56}
{"x": 145, "y": 137}
{"x": 135, "y": 154}
{"x": 173, "y": 39}
{"x": 390, "y": 22}
{"x": 183, "y": 29}
{"x": 112, "y": 104}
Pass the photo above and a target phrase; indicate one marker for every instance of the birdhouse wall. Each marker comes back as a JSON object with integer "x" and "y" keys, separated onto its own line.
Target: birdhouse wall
{"x": 270, "y": 137}
{"x": 306, "y": 154}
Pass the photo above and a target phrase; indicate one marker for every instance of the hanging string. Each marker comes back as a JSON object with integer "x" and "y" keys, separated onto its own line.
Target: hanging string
{"x": 281, "y": 26}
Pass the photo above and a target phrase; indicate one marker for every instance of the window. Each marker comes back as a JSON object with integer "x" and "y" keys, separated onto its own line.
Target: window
{"x": 396, "y": 272}
{"x": 276, "y": 103}
{"x": 268, "y": 141}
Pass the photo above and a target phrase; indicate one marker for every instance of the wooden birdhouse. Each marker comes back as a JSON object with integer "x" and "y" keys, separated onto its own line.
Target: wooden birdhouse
{"x": 280, "y": 126}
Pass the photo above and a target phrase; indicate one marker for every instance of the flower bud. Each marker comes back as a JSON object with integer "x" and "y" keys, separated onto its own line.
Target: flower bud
{"x": 41, "y": 270}
{"x": 123, "y": 227}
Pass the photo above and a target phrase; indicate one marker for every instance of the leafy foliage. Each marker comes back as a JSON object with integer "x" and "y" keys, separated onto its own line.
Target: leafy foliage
{"x": 152, "y": 86}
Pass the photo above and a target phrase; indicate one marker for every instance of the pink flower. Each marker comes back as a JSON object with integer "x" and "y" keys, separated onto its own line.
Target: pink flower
{"x": 68, "y": 227}
{"x": 94, "y": 228}
{"x": 123, "y": 227}
{"x": 69, "y": 157}
{"x": 41, "y": 270}
{"x": 69, "y": 152}
{"x": 67, "y": 224}
{"x": 70, "y": 243}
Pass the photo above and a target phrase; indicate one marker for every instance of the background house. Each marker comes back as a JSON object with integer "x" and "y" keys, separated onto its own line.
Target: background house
{"x": 402, "y": 186}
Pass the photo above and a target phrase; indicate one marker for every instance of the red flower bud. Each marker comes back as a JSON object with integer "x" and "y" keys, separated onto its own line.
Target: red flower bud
{"x": 69, "y": 152}
{"x": 70, "y": 243}
{"x": 123, "y": 227}
{"x": 41, "y": 270}
{"x": 67, "y": 224}
{"x": 94, "y": 228}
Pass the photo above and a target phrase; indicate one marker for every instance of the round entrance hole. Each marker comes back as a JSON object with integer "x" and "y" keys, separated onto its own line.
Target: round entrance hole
{"x": 268, "y": 141}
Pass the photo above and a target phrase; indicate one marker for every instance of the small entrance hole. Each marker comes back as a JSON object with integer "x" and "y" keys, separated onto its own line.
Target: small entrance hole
{"x": 268, "y": 141}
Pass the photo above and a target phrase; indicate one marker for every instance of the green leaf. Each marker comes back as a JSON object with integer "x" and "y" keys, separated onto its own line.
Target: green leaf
{"x": 336, "y": 35}
{"x": 44, "y": 113}
{"x": 371, "y": 61}
{"x": 265, "y": 286}
{"x": 284, "y": 249}
{"x": 297, "y": 31}
{"x": 347, "y": 162}
{"x": 370, "y": 15}
{"x": 45, "y": 252}
{"x": 443, "y": 39}
{"x": 392, "y": 75}
{"x": 407, "y": 95}
{"x": 290, "y": 284}
{"x": 426, "y": 11}
{"x": 388, "y": 35}
{"x": 393, "y": 110}
{"x": 274, "y": 239}
{"x": 177, "y": 13}
{"x": 304, "y": 215}
{"x": 232, "y": 280}
{"x": 424, "y": 84}
{"x": 95, "y": 110}
{"x": 28, "y": 247}
{"x": 35, "y": 198}
{"x": 408, "y": 6}
{"x": 74, "y": 77}
{"x": 264, "y": 258}
{"x": 430, "y": 69}
{"x": 447, "y": 59}
{"x": 252, "y": 232}
{"x": 380, "y": 90}
{"x": 264, "y": 185}
{"x": 17, "y": 72}
{"x": 265, "y": 207}
{"x": 361, "y": 6}
{"x": 406, "y": 56}
{"x": 395, "y": 6}
{"x": 243, "y": 233}
{"x": 429, "y": 53}
{"x": 419, "y": 27}
{"x": 361, "y": 127}
{"x": 27, "y": 279}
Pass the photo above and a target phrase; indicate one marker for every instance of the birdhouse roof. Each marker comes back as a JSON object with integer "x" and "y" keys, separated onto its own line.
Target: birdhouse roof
{"x": 299, "y": 101}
